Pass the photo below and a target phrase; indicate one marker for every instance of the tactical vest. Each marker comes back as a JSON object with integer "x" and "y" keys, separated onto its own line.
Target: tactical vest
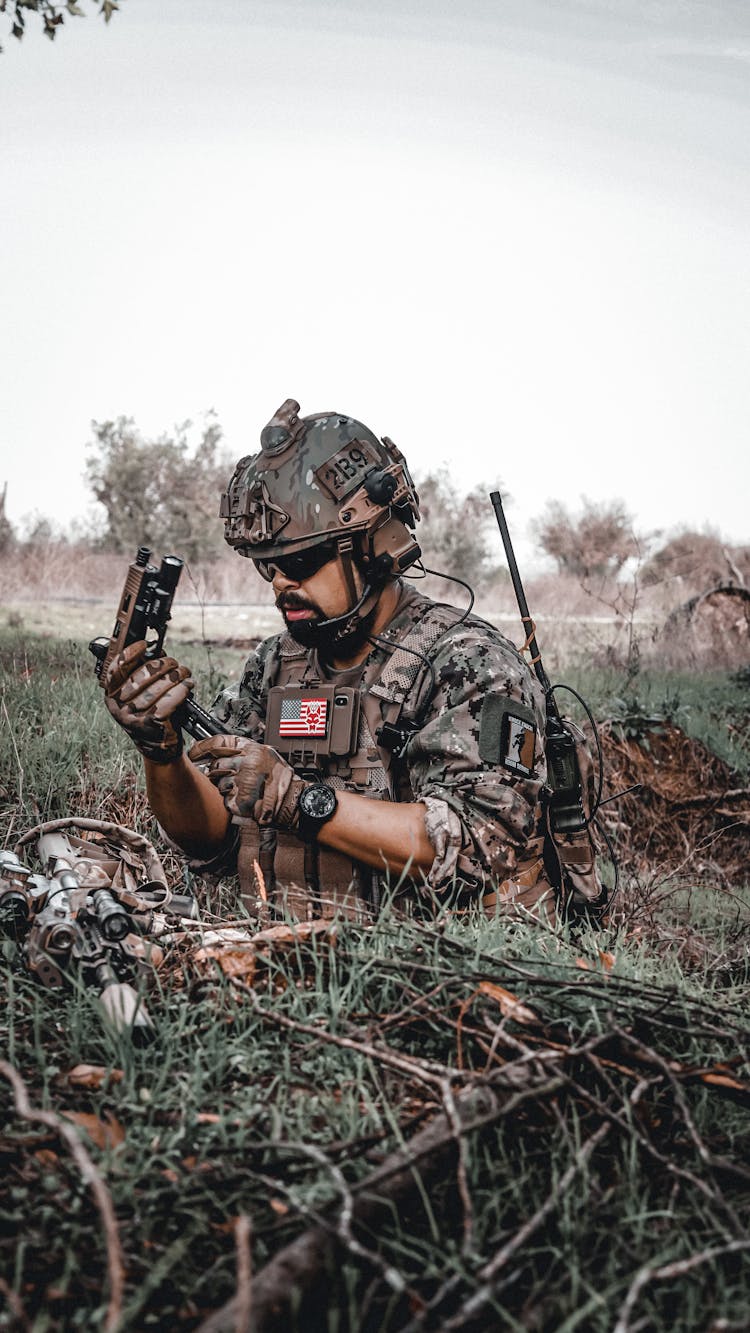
{"x": 370, "y": 712}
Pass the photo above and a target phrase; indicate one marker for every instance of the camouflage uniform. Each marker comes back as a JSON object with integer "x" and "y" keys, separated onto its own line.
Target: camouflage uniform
{"x": 461, "y": 714}
{"x": 483, "y": 810}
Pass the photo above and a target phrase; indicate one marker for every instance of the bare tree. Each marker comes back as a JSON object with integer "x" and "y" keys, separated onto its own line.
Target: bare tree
{"x": 457, "y": 533}
{"x": 51, "y": 14}
{"x": 7, "y": 535}
{"x": 592, "y": 544}
{"x": 698, "y": 560}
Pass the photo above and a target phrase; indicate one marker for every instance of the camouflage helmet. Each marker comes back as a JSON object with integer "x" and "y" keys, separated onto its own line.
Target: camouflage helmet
{"x": 321, "y": 478}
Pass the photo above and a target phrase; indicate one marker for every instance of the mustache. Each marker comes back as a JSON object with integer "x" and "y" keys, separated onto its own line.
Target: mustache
{"x": 291, "y": 601}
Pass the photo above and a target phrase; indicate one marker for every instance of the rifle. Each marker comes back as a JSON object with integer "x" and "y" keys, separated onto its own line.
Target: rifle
{"x": 571, "y": 861}
{"x": 145, "y": 609}
{"x": 80, "y": 918}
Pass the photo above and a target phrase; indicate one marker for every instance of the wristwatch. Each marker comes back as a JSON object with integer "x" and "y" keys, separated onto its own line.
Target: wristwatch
{"x": 316, "y": 805}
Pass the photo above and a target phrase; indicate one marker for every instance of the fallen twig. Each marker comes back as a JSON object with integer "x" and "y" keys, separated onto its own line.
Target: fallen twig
{"x": 676, "y": 1269}
{"x": 65, "y": 1130}
{"x": 244, "y": 1274}
{"x": 295, "y": 1278}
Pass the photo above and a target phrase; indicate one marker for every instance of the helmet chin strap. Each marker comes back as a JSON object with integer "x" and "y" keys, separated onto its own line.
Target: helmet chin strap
{"x": 350, "y": 620}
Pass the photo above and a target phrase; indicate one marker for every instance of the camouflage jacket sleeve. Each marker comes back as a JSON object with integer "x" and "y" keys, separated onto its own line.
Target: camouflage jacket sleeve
{"x": 477, "y": 761}
{"x": 242, "y": 706}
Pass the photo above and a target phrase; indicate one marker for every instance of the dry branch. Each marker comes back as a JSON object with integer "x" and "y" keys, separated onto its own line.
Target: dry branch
{"x": 64, "y": 1129}
{"x": 296, "y": 1278}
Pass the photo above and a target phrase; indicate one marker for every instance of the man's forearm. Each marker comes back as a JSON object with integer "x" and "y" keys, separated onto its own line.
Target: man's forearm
{"x": 187, "y": 805}
{"x": 192, "y": 812}
{"x": 379, "y": 832}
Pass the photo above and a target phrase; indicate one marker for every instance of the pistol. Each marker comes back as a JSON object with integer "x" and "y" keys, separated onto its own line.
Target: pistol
{"x": 143, "y": 613}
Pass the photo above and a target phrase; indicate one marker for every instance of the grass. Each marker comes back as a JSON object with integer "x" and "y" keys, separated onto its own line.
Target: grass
{"x": 711, "y": 706}
{"x": 248, "y": 1105}
{"x": 219, "y": 1112}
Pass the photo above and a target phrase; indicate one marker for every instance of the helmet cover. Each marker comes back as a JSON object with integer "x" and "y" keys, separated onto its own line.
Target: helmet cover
{"x": 317, "y": 478}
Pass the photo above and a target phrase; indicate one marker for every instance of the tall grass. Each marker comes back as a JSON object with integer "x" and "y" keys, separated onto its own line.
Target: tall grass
{"x": 267, "y": 1104}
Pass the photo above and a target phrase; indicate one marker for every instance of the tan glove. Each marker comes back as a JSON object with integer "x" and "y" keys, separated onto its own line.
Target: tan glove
{"x": 143, "y": 697}
{"x": 255, "y": 781}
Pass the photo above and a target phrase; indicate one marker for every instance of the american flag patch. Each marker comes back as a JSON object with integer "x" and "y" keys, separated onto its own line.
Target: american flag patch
{"x": 303, "y": 717}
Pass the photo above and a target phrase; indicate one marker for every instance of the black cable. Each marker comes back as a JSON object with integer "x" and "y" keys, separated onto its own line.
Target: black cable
{"x": 591, "y": 818}
{"x": 381, "y": 642}
{"x": 438, "y": 574}
{"x": 595, "y": 732}
{"x": 386, "y": 643}
{"x": 615, "y": 866}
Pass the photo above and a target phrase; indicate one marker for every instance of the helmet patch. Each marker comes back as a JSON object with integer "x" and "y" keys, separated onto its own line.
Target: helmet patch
{"x": 343, "y": 472}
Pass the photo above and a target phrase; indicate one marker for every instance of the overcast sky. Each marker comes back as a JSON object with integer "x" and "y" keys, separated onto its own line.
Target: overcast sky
{"x": 512, "y": 235}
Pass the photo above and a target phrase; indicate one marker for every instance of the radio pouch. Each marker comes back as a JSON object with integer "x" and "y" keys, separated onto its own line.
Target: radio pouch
{"x": 304, "y": 724}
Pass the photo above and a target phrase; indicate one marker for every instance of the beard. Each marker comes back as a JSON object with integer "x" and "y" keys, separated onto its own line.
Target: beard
{"x": 328, "y": 641}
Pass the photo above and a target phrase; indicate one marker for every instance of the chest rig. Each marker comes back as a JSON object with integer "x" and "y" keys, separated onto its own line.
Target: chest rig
{"x": 353, "y": 733}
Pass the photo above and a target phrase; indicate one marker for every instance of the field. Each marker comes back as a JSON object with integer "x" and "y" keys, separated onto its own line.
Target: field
{"x": 445, "y": 1123}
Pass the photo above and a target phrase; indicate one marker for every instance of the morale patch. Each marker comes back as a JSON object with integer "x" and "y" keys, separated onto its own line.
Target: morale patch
{"x": 507, "y": 734}
{"x": 302, "y": 716}
{"x": 343, "y": 473}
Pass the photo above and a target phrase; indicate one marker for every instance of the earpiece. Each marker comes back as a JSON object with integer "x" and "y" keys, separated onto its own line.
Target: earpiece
{"x": 380, "y": 486}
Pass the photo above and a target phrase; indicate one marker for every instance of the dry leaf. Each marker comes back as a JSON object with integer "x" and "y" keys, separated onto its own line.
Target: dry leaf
{"x": 47, "y": 1158}
{"x": 279, "y": 1207}
{"x": 207, "y": 1118}
{"x": 234, "y": 960}
{"x": 724, "y": 1081}
{"x": 151, "y": 953}
{"x": 296, "y": 934}
{"x": 107, "y": 1133}
{"x": 192, "y": 1163}
{"x": 510, "y": 1005}
{"x": 607, "y": 961}
{"x": 93, "y": 1076}
{"x": 260, "y": 880}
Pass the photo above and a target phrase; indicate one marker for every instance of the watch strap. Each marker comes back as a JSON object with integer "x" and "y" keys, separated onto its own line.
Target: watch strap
{"x": 309, "y": 826}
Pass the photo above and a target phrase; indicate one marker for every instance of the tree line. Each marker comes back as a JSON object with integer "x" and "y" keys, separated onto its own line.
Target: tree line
{"x": 164, "y": 492}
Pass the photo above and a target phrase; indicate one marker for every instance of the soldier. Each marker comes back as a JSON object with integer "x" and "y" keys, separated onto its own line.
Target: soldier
{"x": 381, "y": 736}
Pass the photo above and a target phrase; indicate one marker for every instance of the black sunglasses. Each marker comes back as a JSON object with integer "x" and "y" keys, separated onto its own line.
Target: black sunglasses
{"x": 298, "y": 565}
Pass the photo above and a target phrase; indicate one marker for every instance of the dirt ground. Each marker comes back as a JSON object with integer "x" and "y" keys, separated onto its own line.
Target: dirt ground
{"x": 87, "y": 618}
{"x": 689, "y": 810}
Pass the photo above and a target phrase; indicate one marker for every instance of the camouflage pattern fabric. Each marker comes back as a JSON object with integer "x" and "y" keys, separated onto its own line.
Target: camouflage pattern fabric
{"x": 483, "y": 809}
{"x": 307, "y": 484}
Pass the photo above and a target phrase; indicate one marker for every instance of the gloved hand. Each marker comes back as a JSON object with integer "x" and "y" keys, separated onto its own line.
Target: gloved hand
{"x": 255, "y": 781}
{"x": 219, "y": 758}
{"x": 143, "y": 697}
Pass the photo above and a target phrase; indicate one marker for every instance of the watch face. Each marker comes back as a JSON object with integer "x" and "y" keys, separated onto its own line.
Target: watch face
{"x": 318, "y": 801}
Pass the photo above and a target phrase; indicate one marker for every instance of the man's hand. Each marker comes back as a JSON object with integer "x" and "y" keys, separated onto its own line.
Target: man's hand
{"x": 143, "y": 697}
{"x": 255, "y": 781}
